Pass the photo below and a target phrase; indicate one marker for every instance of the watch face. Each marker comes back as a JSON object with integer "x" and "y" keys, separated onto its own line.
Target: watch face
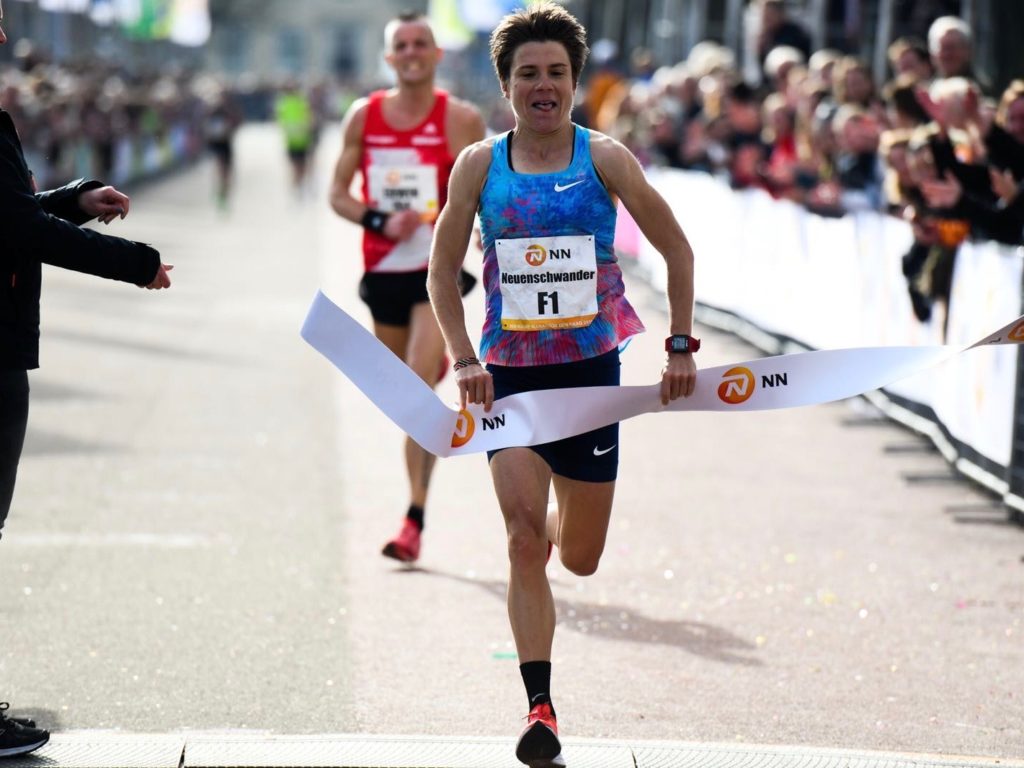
{"x": 682, "y": 343}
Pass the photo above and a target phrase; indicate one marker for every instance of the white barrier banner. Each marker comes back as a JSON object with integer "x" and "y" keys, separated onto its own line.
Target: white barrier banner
{"x": 531, "y": 418}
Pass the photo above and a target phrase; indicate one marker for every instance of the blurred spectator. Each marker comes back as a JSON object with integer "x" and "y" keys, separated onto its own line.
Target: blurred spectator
{"x": 896, "y": 180}
{"x": 951, "y": 49}
{"x": 928, "y": 266}
{"x": 822, "y": 65}
{"x": 909, "y": 58}
{"x": 986, "y": 193}
{"x": 603, "y": 75}
{"x": 779, "y": 63}
{"x": 902, "y": 105}
{"x": 778, "y": 29}
{"x": 1010, "y": 114}
{"x": 780, "y": 169}
{"x": 858, "y": 171}
{"x": 854, "y": 84}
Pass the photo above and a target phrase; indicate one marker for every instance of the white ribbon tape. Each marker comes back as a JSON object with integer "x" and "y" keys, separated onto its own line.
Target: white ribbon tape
{"x": 531, "y": 418}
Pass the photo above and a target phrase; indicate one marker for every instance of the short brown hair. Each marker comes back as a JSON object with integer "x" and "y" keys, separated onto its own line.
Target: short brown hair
{"x": 539, "y": 23}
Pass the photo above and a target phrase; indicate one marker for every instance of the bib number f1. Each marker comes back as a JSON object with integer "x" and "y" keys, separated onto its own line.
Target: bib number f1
{"x": 547, "y": 283}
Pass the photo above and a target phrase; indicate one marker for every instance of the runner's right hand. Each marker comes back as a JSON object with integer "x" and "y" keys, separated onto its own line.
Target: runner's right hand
{"x": 475, "y": 386}
{"x": 401, "y": 224}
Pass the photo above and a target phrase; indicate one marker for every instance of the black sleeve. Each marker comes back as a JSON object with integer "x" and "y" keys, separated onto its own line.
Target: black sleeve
{"x": 27, "y": 230}
{"x": 973, "y": 177}
{"x": 63, "y": 201}
{"x": 1005, "y": 224}
{"x": 1004, "y": 151}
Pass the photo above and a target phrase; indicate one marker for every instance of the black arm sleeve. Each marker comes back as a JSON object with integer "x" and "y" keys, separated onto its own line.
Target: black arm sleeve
{"x": 63, "y": 201}
{"x": 1004, "y": 151}
{"x": 26, "y": 229}
{"x": 1003, "y": 224}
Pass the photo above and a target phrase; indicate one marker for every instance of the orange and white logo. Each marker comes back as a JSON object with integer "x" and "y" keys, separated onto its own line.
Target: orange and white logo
{"x": 1017, "y": 334}
{"x": 737, "y": 386}
{"x": 465, "y": 426}
{"x": 393, "y": 178}
{"x": 536, "y": 255}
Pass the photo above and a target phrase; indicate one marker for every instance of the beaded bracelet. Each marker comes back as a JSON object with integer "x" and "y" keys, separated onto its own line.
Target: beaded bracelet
{"x": 465, "y": 362}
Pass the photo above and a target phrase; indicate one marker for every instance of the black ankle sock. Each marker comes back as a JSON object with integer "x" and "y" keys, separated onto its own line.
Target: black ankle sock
{"x": 416, "y": 515}
{"x": 537, "y": 679}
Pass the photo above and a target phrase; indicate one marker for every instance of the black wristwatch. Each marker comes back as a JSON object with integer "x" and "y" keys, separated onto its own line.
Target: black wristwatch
{"x": 681, "y": 343}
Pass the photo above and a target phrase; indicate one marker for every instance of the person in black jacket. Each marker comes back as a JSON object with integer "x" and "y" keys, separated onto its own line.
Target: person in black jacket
{"x": 36, "y": 229}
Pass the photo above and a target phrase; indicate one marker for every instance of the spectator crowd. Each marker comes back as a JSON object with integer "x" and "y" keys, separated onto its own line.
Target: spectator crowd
{"x": 100, "y": 120}
{"x": 930, "y": 145}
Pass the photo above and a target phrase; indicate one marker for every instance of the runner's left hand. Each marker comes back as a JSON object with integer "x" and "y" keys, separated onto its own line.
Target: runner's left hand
{"x": 679, "y": 377}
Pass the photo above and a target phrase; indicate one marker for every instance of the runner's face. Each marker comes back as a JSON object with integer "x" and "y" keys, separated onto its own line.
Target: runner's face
{"x": 540, "y": 87}
{"x": 412, "y": 52}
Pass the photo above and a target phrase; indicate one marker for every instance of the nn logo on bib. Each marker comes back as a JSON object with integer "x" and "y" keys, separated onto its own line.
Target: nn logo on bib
{"x": 465, "y": 426}
{"x": 536, "y": 255}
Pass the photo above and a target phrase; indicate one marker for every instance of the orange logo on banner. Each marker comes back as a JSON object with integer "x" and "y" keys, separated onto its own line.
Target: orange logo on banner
{"x": 536, "y": 255}
{"x": 737, "y": 386}
{"x": 1017, "y": 334}
{"x": 464, "y": 429}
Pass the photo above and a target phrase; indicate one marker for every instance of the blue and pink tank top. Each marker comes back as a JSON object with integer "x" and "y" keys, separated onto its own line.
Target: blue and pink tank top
{"x": 554, "y": 288}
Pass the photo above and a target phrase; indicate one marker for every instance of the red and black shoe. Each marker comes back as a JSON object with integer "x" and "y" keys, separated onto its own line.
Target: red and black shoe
{"x": 538, "y": 745}
{"x": 405, "y": 547}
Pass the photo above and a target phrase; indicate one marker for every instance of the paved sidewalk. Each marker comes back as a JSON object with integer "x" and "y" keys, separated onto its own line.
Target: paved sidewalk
{"x": 194, "y": 545}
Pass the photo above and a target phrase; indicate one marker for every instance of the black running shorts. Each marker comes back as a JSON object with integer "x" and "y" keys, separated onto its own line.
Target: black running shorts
{"x": 392, "y": 295}
{"x": 593, "y": 456}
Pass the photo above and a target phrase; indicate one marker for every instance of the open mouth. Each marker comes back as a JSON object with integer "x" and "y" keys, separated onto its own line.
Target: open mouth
{"x": 544, "y": 106}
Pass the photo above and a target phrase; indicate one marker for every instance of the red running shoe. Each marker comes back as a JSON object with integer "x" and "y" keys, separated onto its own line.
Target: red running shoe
{"x": 405, "y": 547}
{"x": 538, "y": 745}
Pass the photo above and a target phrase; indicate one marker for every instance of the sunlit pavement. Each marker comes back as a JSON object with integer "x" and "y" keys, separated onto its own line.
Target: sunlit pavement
{"x": 193, "y": 548}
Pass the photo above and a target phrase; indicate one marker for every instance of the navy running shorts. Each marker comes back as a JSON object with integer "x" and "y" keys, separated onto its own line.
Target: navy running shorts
{"x": 392, "y": 295}
{"x": 592, "y": 457}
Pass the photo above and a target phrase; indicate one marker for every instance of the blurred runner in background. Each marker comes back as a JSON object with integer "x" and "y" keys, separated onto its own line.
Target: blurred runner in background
{"x": 404, "y": 141}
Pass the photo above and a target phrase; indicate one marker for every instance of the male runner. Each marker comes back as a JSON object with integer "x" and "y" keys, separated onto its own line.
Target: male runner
{"x": 555, "y": 316}
{"x": 404, "y": 142}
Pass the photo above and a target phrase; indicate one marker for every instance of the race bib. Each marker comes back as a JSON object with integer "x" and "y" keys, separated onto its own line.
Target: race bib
{"x": 405, "y": 187}
{"x": 547, "y": 282}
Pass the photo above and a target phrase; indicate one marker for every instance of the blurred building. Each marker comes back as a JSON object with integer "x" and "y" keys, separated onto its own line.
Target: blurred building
{"x": 309, "y": 39}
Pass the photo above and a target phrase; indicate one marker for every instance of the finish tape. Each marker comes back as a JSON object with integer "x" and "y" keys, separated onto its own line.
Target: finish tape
{"x": 531, "y": 418}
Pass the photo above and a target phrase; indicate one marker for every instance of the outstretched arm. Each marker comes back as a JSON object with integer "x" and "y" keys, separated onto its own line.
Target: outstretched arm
{"x": 625, "y": 178}
{"x": 451, "y": 239}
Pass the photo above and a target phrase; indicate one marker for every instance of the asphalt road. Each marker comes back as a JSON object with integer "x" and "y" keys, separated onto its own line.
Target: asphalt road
{"x": 195, "y": 535}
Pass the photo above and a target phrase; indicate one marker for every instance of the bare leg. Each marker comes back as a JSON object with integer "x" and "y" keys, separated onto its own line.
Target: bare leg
{"x": 580, "y": 523}
{"x": 424, "y": 351}
{"x": 521, "y": 481}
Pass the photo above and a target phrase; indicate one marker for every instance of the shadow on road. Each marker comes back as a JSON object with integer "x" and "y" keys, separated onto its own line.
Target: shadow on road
{"x": 625, "y": 624}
